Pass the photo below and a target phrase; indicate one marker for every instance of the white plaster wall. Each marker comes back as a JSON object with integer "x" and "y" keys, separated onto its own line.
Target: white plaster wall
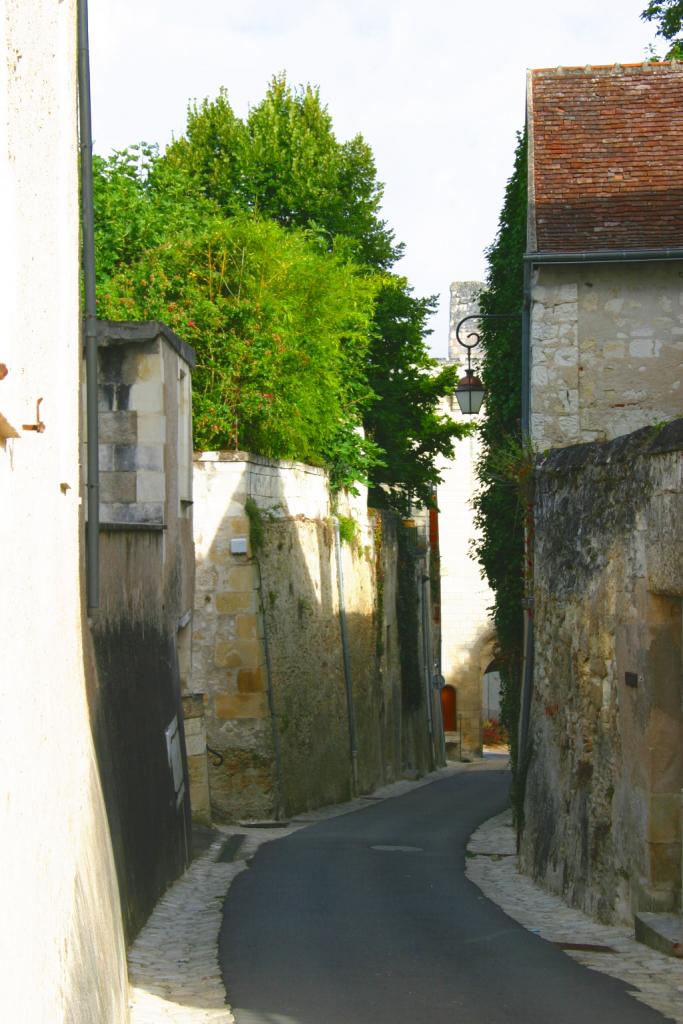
{"x": 606, "y": 350}
{"x": 466, "y": 629}
{"x": 61, "y": 944}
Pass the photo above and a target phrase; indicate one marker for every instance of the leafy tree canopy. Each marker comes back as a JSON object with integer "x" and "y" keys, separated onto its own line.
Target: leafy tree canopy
{"x": 404, "y": 419}
{"x": 285, "y": 162}
{"x": 139, "y": 204}
{"x": 668, "y": 15}
{"x": 281, "y": 332}
{"x": 229, "y": 189}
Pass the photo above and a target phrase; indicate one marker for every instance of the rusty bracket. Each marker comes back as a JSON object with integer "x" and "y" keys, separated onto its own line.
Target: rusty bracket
{"x": 38, "y": 425}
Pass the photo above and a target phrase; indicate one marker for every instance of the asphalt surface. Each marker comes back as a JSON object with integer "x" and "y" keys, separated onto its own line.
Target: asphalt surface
{"x": 368, "y": 918}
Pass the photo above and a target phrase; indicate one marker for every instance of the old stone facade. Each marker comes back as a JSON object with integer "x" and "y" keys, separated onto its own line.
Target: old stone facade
{"x": 61, "y": 936}
{"x": 602, "y": 814}
{"x": 141, "y": 628}
{"x": 603, "y": 803}
{"x": 467, "y": 633}
{"x": 303, "y": 705}
{"x": 606, "y": 350}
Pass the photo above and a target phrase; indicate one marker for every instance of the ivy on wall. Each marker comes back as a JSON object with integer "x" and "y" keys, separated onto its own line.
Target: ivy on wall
{"x": 407, "y": 615}
{"x": 499, "y": 512}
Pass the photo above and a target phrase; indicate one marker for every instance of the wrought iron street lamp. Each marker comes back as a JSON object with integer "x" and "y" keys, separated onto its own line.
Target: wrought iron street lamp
{"x": 470, "y": 390}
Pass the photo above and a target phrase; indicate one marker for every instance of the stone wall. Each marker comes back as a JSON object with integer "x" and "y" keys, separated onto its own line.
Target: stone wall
{"x": 267, "y": 645}
{"x": 602, "y": 809}
{"x": 146, "y": 598}
{"x": 61, "y": 938}
{"x": 606, "y": 350}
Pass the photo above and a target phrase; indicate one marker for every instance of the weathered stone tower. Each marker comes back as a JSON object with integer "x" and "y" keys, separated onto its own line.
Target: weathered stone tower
{"x": 464, "y": 302}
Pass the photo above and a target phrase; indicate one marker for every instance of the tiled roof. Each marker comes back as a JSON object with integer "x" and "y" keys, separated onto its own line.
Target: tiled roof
{"x": 606, "y": 157}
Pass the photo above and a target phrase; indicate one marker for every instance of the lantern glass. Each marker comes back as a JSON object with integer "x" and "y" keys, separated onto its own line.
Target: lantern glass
{"x": 470, "y": 394}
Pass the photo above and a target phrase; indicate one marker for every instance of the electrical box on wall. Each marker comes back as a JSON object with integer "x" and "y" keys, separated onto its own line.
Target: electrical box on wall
{"x": 238, "y": 545}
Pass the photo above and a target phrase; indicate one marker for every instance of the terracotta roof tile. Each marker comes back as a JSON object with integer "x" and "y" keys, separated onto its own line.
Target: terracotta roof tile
{"x": 606, "y": 157}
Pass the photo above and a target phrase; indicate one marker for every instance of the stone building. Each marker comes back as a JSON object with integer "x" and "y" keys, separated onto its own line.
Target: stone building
{"x": 602, "y": 810}
{"x": 61, "y": 936}
{"x": 467, "y": 632}
{"x": 604, "y": 243}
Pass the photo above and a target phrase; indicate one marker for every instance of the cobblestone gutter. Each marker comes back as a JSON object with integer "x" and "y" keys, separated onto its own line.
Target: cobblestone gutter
{"x": 173, "y": 964}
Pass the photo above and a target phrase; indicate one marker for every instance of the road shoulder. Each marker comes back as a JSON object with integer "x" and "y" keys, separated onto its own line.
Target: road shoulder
{"x": 491, "y": 863}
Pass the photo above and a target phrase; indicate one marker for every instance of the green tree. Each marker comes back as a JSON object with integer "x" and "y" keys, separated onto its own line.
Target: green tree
{"x": 500, "y": 514}
{"x": 286, "y": 163}
{"x": 139, "y": 204}
{"x": 404, "y": 418}
{"x": 668, "y": 15}
{"x": 281, "y": 333}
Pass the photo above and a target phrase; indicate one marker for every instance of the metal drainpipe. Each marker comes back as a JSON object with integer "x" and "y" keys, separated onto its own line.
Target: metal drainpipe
{"x": 280, "y": 808}
{"x": 527, "y": 665}
{"x": 88, "y": 232}
{"x": 526, "y": 352}
{"x": 353, "y": 739}
{"x": 532, "y": 259}
{"x": 428, "y": 667}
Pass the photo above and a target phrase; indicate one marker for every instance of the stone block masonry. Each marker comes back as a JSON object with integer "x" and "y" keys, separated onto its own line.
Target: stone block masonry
{"x": 602, "y": 809}
{"x": 606, "y": 350}
{"x": 267, "y": 650}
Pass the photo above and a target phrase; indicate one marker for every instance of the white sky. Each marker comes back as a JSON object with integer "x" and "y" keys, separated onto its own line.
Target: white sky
{"x": 437, "y": 89}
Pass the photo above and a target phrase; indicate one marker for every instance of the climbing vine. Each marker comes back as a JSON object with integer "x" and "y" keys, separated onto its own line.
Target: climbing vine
{"x": 257, "y": 533}
{"x": 407, "y": 609}
{"x": 501, "y": 506}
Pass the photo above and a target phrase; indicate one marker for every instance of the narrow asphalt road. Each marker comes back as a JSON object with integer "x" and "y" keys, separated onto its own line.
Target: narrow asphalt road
{"x": 368, "y": 918}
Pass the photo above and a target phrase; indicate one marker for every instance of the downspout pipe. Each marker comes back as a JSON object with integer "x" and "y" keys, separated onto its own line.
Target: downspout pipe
{"x": 348, "y": 679}
{"x": 90, "y": 312}
{"x": 280, "y": 804}
{"x": 528, "y": 642}
{"x": 526, "y": 353}
{"x": 427, "y": 654}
